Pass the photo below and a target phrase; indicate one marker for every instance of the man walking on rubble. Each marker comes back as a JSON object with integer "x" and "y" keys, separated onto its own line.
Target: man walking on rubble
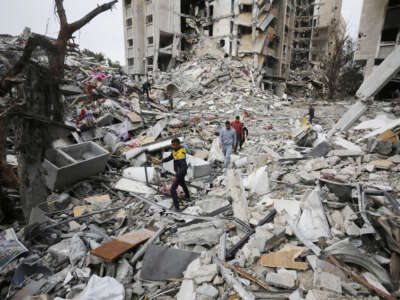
{"x": 311, "y": 113}
{"x": 227, "y": 140}
{"x": 146, "y": 89}
{"x": 180, "y": 167}
{"x": 240, "y": 133}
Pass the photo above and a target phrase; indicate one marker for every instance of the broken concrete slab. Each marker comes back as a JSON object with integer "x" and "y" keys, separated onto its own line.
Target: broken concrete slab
{"x": 239, "y": 204}
{"x": 375, "y": 145}
{"x": 133, "y": 186}
{"x": 200, "y": 234}
{"x": 345, "y": 153}
{"x": 202, "y": 273}
{"x": 186, "y": 291}
{"x": 280, "y": 280}
{"x": 389, "y": 126}
{"x": 338, "y": 141}
{"x": 160, "y": 145}
{"x": 143, "y": 174}
{"x": 379, "y": 165}
{"x": 320, "y": 295}
{"x": 349, "y": 118}
{"x": 212, "y": 204}
{"x": 327, "y": 281}
{"x": 156, "y": 130}
{"x": 207, "y": 290}
{"x": 380, "y": 76}
{"x": 292, "y": 207}
{"x": 265, "y": 239}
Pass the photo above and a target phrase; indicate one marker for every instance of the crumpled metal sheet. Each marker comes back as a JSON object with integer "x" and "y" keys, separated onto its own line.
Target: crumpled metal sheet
{"x": 161, "y": 263}
{"x": 346, "y": 252}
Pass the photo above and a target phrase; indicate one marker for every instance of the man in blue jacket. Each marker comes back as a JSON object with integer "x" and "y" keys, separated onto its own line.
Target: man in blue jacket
{"x": 227, "y": 140}
{"x": 180, "y": 167}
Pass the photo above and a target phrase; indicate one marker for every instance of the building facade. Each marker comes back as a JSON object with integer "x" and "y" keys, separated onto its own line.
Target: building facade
{"x": 151, "y": 32}
{"x": 315, "y": 22}
{"x": 379, "y": 33}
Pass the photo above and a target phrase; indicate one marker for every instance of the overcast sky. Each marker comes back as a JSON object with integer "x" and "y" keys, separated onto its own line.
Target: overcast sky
{"x": 104, "y": 33}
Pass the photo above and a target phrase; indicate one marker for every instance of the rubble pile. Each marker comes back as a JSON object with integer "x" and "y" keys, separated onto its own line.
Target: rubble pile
{"x": 304, "y": 211}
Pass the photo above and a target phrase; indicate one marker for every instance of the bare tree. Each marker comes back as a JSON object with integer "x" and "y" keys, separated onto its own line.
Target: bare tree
{"x": 37, "y": 114}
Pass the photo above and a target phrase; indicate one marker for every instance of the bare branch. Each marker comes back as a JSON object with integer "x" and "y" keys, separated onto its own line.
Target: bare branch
{"x": 61, "y": 13}
{"x": 86, "y": 19}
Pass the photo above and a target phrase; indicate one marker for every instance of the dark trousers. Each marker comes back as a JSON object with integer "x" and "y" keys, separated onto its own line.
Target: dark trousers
{"x": 180, "y": 180}
{"x": 239, "y": 141}
{"x": 146, "y": 91}
{"x": 311, "y": 117}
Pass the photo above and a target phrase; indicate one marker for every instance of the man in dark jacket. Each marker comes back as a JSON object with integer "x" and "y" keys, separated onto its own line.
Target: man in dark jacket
{"x": 146, "y": 89}
{"x": 180, "y": 167}
{"x": 311, "y": 113}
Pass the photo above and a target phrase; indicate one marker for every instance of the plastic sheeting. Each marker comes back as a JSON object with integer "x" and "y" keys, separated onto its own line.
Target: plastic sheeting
{"x": 258, "y": 181}
{"x": 313, "y": 221}
{"x": 101, "y": 288}
{"x": 215, "y": 153}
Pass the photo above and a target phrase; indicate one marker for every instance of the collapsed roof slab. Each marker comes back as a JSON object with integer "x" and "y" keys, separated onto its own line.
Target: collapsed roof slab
{"x": 382, "y": 74}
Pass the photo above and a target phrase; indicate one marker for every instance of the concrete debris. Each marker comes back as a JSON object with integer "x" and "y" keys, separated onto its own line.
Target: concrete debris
{"x": 207, "y": 290}
{"x": 380, "y": 76}
{"x": 200, "y": 234}
{"x": 295, "y": 195}
{"x": 239, "y": 205}
{"x": 327, "y": 281}
{"x": 280, "y": 280}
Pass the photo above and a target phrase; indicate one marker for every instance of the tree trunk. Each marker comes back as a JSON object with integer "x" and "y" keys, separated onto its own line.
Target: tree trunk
{"x": 35, "y": 137}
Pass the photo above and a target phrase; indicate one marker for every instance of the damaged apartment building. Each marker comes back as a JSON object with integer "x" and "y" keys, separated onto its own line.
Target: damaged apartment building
{"x": 315, "y": 22}
{"x": 379, "y": 35}
{"x": 259, "y": 32}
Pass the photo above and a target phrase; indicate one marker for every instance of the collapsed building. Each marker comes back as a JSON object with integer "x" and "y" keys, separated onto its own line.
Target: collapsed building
{"x": 274, "y": 36}
{"x": 310, "y": 214}
{"x": 315, "y": 23}
{"x": 379, "y": 35}
{"x": 260, "y": 32}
